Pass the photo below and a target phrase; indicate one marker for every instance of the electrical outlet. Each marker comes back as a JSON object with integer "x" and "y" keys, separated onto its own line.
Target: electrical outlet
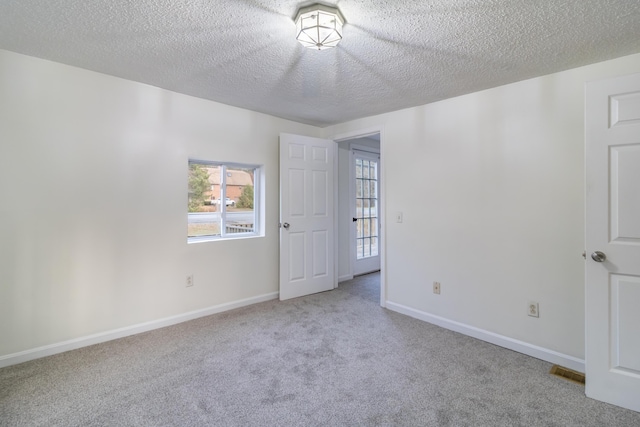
{"x": 532, "y": 309}
{"x": 190, "y": 280}
{"x": 436, "y": 288}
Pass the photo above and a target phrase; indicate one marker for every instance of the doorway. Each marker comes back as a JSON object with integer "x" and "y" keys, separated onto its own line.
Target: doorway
{"x": 359, "y": 228}
{"x": 365, "y": 234}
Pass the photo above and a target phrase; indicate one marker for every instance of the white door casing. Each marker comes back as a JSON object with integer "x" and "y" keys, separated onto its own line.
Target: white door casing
{"x": 366, "y": 262}
{"x": 612, "y": 294}
{"x": 306, "y": 215}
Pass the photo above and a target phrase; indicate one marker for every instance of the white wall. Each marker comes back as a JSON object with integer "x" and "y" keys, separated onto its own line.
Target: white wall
{"x": 344, "y": 213}
{"x": 93, "y": 180}
{"x": 93, "y": 204}
{"x": 491, "y": 186}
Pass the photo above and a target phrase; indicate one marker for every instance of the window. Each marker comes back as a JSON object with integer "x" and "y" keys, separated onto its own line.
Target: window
{"x": 223, "y": 201}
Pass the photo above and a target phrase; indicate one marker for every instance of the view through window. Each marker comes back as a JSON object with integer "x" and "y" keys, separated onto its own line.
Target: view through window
{"x": 223, "y": 200}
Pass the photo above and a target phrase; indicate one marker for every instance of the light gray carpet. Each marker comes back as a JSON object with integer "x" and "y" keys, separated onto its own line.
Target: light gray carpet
{"x": 334, "y": 358}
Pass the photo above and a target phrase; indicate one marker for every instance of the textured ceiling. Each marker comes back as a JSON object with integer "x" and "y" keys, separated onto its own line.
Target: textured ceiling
{"x": 395, "y": 54}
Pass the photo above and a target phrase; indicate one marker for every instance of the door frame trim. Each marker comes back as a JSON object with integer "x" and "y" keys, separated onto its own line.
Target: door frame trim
{"x": 361, "y": 133}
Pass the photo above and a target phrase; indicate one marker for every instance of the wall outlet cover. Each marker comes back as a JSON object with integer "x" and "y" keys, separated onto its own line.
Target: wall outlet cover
{"x": 533, "y": 309}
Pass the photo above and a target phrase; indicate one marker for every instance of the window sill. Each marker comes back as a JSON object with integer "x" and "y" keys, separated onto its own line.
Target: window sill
{"x": 202, "y": 239}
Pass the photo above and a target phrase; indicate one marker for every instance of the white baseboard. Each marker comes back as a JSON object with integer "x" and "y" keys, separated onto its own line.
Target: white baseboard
{"x": 500, "y": 340}
{"x": 345, "y": 278}
{"x": 48, "y": 350}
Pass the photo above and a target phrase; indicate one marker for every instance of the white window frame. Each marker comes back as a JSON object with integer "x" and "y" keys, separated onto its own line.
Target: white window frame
{"x": 258, "y": 208}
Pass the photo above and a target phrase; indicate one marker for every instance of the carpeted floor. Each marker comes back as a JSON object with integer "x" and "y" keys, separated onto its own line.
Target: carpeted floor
{"x": 330, "y": 359}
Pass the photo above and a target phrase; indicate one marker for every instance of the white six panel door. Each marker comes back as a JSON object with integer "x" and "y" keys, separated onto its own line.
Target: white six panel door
{"x": 306, "y": 215}
{"x": 612, "y": 310}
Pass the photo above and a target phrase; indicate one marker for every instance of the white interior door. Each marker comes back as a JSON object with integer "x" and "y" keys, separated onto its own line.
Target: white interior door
{"x": 366, "y": 225}
{"x": 306, "y": 216}
{"x": 613, "y": 231}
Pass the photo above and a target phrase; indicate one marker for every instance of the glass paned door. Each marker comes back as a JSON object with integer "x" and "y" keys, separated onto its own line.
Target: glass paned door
{"x": 366, "y": 212}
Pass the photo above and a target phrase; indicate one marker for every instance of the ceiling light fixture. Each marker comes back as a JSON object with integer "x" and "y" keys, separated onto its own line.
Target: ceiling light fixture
{"x": 319, "y": 26}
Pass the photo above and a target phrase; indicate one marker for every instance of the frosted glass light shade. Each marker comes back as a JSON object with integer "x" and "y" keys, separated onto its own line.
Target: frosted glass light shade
{"x": 319, "y": 26}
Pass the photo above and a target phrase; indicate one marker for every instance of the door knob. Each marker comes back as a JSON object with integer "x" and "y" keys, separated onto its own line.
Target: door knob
{"x": 355, "y": 219}
{"x": 598, "y": 256}
{"x": 286, "y": 225}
